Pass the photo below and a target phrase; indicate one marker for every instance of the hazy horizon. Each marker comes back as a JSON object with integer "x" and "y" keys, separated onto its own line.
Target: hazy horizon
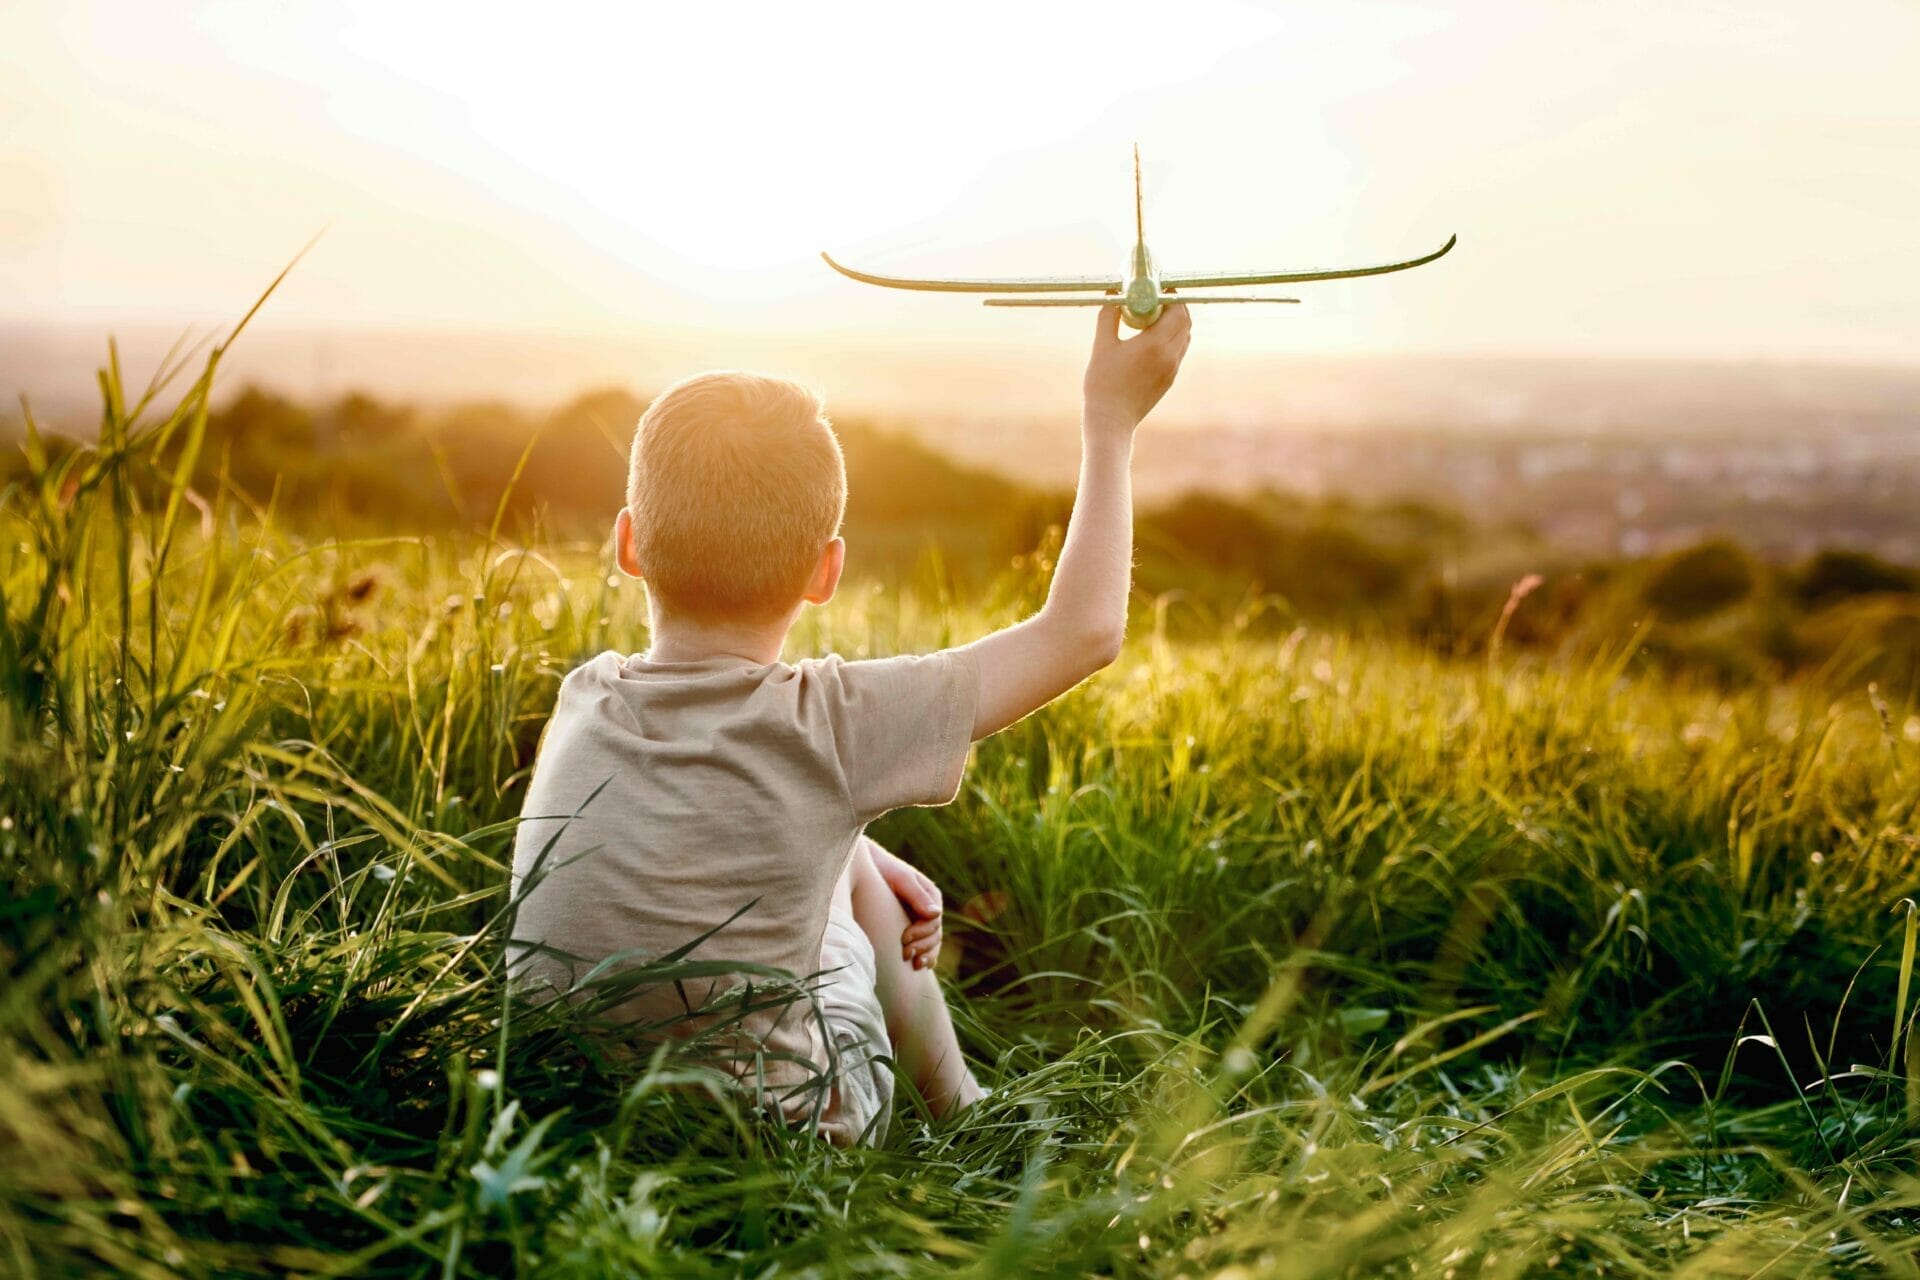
{"x": 53, "y": 367}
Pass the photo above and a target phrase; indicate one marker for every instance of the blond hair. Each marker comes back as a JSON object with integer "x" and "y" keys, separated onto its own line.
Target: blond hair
{"x": 735, "y": 487}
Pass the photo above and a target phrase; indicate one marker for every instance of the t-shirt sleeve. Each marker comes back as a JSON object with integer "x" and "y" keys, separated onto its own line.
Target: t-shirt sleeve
{"x": 902, "y": 727}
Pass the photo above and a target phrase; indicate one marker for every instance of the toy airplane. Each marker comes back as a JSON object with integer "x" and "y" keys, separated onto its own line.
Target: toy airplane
{"x": 1142, "y": 291}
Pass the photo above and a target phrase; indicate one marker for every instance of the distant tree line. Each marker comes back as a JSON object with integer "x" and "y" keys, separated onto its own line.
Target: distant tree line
{"x": 1270, "y": 562}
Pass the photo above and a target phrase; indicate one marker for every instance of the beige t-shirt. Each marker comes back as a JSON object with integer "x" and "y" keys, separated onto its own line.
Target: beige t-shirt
{"x": 668, "y": 796}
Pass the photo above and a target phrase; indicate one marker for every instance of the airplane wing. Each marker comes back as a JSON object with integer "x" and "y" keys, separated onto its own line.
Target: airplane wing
{"x": 1204, "y": 280}
{"x": 1019, "y": 284}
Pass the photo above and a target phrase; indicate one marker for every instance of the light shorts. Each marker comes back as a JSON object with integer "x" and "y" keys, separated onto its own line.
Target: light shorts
{"x": 856, "y": 1029}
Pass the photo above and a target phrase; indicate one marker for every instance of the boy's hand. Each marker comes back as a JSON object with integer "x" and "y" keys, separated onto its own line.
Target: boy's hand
{"x": 1125, "y": 379}
{"x": 920, "y": 943}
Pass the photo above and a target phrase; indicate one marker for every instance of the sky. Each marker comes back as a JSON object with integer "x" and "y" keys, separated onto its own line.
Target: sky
{"x": 1699, "y": 180}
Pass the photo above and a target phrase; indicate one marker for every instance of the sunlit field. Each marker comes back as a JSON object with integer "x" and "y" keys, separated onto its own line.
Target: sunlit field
{"x": 1285, "y": 953}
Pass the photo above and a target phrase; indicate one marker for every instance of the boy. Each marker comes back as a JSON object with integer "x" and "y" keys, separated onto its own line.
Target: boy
{"x": 707, "y": 787}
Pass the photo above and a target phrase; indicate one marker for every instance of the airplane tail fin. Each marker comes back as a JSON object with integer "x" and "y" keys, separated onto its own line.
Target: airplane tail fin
{"x": 1139, "y": 223}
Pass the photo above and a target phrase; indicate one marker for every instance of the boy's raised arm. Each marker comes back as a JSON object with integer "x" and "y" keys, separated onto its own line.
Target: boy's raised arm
{"x": 1079, "y": 629}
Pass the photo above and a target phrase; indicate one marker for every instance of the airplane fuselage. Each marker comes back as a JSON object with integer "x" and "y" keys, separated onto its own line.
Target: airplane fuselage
{"x": 1142, "y": 294}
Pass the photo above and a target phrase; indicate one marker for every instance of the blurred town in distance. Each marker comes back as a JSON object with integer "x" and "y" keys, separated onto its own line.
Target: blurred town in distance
{"x": 1604, "y": 458}
{"x": 1849, "y": 480}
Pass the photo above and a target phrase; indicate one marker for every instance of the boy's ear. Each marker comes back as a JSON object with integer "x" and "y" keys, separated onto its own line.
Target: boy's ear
{"x": 826, "y": 574}
{"x": 623, "y": 549}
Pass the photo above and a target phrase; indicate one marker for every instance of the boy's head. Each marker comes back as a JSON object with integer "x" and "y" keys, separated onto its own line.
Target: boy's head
{"x": 734, "y": 498}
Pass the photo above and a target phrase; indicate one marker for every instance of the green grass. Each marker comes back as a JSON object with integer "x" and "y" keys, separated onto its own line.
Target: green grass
{"x": 1297, "y": 956}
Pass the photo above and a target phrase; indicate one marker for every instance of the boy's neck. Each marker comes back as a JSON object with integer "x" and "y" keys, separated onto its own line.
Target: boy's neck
{"x": 679, "y": 639}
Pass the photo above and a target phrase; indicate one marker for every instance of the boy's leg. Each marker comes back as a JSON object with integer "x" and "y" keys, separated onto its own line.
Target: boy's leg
{"x": 917, "y": 1021}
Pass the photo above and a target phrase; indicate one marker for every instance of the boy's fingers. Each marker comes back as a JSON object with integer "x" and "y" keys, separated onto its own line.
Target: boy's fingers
{"x": 929, "y": 904}
{"x": 1164, "y": 333}
{"x": 920, "y": 930}
{"x": 1173, "y": 332}
{"x": 1106, "y": 325}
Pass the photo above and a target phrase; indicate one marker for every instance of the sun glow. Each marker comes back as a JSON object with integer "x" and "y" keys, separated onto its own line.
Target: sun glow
{"x": 742, "y": 141}
{"x": 1639, "y": 180}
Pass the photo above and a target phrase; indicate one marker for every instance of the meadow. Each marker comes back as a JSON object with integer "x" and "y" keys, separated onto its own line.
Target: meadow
{"x": 1287, "y": 951}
